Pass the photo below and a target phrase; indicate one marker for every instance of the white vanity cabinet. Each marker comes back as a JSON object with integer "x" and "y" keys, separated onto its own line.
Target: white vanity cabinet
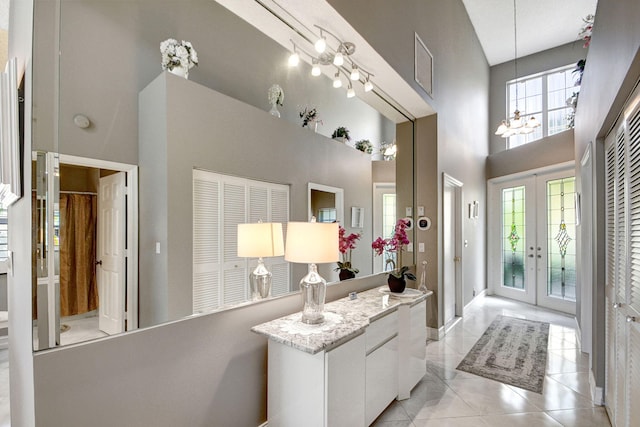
{"x": 316, "y": 390}
{"x": 346, "y": 371}
{"x": 381, "y": 365}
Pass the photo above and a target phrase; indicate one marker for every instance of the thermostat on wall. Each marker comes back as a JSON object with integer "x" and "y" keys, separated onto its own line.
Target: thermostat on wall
{"x": 424, "y": 223}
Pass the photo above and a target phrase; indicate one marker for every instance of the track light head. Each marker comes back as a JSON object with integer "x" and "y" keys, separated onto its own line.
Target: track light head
{"x": 336, "y": 80}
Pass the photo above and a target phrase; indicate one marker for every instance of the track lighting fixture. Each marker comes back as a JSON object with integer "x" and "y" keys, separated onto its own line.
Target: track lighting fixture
{"x": 328, "y": 56}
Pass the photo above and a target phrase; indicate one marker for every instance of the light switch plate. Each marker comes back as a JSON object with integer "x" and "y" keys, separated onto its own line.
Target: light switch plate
{"x": 420, "y": 247}
{"x": 408, "y": 211}
{"x": 410, "y": 247}
{"x": 420, "y": 210}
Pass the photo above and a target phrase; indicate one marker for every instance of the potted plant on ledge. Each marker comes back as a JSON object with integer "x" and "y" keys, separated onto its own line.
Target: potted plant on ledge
{"x": 346, "y": 244}
{"x": 341, "y": 134}
{"x": 395, "y": 244}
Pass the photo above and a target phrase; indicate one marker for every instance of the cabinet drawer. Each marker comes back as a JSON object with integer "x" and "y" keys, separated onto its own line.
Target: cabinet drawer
{"x": 381, "y": 330}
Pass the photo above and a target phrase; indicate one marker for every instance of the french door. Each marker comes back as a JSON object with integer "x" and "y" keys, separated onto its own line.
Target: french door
{"x": 532, "y": 240}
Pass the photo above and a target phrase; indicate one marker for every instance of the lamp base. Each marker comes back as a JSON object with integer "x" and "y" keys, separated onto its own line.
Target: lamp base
{"x": 313, "y": 288}
{"x": 260, "y": 280}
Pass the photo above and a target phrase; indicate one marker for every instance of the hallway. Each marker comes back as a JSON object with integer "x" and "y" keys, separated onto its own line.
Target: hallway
{"x": 449, "y": 398}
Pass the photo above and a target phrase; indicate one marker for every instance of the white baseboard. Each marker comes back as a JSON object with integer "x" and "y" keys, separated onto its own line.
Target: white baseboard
{"x": 264, "y": 424}
{"x": 435, "y": 334}
{"x": 597, "y": 393}
{"x": 475, "y": 300}
{"x": 578, "y": 333}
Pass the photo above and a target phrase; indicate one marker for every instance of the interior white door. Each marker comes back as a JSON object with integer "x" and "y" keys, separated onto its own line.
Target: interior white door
{"x": 449, "y": 272}
{"x": 110, "y": 253}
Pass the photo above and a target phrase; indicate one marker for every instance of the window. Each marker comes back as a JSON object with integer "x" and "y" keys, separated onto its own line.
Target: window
{"x": 543, "y": 96}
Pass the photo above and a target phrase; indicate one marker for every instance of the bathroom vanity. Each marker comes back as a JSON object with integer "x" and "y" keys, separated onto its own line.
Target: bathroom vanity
{"x": 369, "y": 351}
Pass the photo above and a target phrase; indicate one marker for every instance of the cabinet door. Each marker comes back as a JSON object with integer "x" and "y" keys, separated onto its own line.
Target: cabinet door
{"x": 417, "y": 365}
{"x": 345, "y": 384}
{"x": 382, "y": 379}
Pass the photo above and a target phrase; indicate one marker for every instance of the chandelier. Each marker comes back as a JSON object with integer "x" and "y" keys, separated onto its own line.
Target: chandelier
{"x": 516, "y": 125}
{"x": 340, "y": 58}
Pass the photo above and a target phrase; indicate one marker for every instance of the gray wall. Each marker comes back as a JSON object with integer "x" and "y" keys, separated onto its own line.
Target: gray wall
{"x": 548, "y": 151}
{"x": 612, "y": 70}
{"x": 461, "y": 99}
{"x": 234, "y": 59}
{"x": 568, "y": 54}
{"x": 207, "y": 130}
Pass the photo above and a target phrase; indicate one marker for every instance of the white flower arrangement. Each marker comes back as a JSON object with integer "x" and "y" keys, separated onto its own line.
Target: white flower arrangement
{"x": 178, "y": 54}
{"x": 276, "y": 95}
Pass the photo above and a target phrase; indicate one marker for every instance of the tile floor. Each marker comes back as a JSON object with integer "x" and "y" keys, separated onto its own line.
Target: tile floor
{"x": 449, "y": 398}
{"x": 81, "y": 329}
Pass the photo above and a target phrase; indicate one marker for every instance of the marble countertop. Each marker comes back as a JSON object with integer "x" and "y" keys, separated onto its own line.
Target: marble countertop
{"x": 345, "y": 319}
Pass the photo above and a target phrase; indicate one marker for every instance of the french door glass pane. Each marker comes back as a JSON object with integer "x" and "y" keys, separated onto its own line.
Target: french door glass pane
{"x": 513, "y": 233}
{"x": 561, "y": 244}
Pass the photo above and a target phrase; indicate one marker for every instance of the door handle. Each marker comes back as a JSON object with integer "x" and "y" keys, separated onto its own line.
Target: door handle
{"x": 617, "y": 305}
{"x": 539, "y": 256}
{"x": 631, "y": 319}
{"x": 99, "y": 262}
{"x": 530, "y": 255}
{"x": 456, "y": 259}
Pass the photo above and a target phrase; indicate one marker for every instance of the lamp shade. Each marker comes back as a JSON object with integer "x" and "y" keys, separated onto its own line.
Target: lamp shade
{"x": 312, "y": 242}
{"x": 263, "y": 239}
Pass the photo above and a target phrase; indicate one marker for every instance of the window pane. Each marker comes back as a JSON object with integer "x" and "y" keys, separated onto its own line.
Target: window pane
{"x": 561, "y": 258}
{"x": 558, "y": 120}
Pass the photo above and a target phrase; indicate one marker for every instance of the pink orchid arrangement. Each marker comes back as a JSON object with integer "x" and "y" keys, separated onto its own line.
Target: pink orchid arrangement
{"x": 346, "y": 244}
{"x": 395, "y": 244}
{"x": 587, "y": 30}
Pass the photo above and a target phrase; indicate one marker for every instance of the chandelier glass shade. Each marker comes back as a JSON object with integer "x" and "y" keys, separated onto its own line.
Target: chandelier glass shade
{"x": 516, "y": 125}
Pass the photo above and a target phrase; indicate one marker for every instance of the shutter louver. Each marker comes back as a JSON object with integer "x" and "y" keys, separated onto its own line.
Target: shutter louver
{"x": 634, "y": 375}
{"x": 234, "y": 209}
{"x": 621, "y": 219}
{"x": 633, "y": 134}
{"x": 206, "y": 244}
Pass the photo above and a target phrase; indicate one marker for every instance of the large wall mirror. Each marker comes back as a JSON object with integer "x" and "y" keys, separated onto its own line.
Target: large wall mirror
{"x": 137, "y": 134}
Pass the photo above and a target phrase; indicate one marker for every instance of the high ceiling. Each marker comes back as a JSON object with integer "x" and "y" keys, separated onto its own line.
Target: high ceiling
{"x": 541, "y": 25}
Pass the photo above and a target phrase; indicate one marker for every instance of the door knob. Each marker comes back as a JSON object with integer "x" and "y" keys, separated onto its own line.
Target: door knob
{"x": 99, "y": 262}
{"x": 539, "y": 256}
{"x": 530, "y": 255}
{"x": 617, "y": 305}
{"x": 631, "y": 319}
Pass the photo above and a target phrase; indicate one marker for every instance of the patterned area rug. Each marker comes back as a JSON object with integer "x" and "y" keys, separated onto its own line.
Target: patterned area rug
{"x": 512, "y": 351}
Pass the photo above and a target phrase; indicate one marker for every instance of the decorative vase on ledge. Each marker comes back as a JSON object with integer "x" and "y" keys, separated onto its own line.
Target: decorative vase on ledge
{"x": 180, "y": 71}
{"x": 274, "y": 110}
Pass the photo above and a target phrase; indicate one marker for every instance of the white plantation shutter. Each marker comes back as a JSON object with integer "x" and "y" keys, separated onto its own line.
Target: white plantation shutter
{"x": 633, "y": 135}
{"x": 220, "y": 277}
{"x": 622, "y": 166}
{"x": 634, "y": 375}
{"x": 206, "y": 243}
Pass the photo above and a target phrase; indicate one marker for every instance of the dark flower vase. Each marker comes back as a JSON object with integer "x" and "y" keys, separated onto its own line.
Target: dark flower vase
{"x": 396, "y": 285}
{"x": 346, "y": 274}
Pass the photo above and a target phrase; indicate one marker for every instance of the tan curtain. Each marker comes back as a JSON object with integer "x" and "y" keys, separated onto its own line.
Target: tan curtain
{"x": 78, "y": 289}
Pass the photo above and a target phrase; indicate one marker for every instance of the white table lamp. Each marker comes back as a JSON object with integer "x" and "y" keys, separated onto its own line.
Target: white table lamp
{"x": 312, "y": 243}
{"x": 263, "y": 239}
